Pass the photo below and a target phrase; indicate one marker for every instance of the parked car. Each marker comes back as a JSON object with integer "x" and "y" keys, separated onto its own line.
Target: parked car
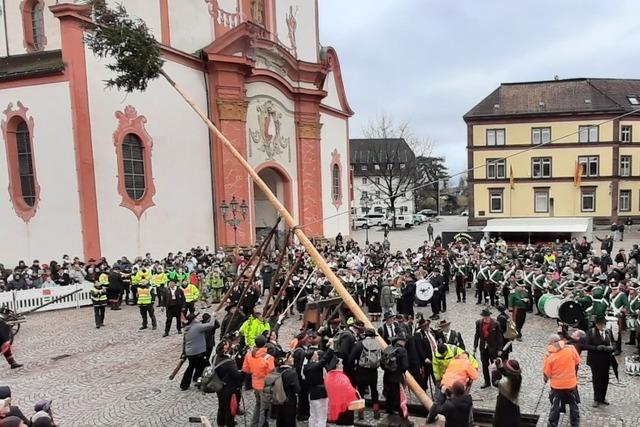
{"x": 428, "y": 212}
{"x": 464, "y": 213}
{"x": 402, "y": 221}
{"x": 375, "y": 219}
{"x": 418, "y": 219}
{"x": 360, "y": 222}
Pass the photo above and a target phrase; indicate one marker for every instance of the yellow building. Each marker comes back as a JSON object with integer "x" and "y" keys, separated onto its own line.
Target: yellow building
{"x": 525, "y": 140}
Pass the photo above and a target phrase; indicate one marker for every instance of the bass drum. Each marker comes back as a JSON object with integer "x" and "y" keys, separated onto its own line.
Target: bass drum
{"x": 552, "y": 306}
{"x": 424, "y": 290}
{"x": 542, "y": 301}
{"x": 570, "y": 312}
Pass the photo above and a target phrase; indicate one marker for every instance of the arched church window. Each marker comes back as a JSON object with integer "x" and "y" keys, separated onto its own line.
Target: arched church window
{"x": 33, "y": 25}
{"x": 133, "y": 166}
{"x": 17, "y": 132}
{"x": 25, "y": 164}
{"x": 335, "y": 181}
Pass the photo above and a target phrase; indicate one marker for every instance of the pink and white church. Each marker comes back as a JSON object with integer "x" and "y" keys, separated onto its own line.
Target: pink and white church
{"x": 93, "y": 172}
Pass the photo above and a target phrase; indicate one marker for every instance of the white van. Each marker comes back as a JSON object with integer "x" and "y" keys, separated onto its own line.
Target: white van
{"x": 402, "y": 221}
{"x": 375, "y": 219}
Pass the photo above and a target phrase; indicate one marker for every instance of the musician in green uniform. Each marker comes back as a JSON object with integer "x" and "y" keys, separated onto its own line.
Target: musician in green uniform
{"x": 461, "y": 273}
{"x": 519, "y": 301}
{"x": 619, "y": 308}
{"x": 599, "y": 304}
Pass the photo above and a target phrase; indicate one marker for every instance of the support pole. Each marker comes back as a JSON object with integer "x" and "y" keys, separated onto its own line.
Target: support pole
{"x": 304, "y": 240}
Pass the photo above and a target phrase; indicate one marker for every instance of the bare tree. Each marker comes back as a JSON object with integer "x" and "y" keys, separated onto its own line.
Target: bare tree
{"x": 390, "y": 156}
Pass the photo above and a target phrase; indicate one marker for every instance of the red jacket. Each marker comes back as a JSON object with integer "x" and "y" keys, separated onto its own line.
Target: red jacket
{"x": 340, "y": 392}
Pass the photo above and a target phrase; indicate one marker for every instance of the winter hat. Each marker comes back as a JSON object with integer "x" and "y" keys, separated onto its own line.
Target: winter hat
{"x": 512, "y": 366}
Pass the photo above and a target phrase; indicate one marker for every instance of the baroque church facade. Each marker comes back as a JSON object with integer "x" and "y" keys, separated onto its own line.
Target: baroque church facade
{"x": 93, "y": 172}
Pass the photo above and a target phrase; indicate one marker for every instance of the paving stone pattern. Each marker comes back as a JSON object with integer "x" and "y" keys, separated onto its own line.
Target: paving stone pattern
{"x": 118, "y": 375}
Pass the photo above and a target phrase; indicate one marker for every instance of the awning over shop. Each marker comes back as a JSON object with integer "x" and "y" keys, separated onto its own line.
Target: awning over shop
{"x": 539, "y": 225}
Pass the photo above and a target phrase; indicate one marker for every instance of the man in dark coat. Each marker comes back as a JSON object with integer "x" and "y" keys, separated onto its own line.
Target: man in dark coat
{"x": 449, "y": 336}
{"x": 388, "y": 329}
{"x": 599, "y": 345}
{"x": 114, "y": 291}
{"x": 173, "y": 303}
{"x": 314, "y": 375}
{"x": 420, "y": 352}
{"x": 232, "y": 320}
{"x": 489, "y": 337}
{"x": 406, "y": 300}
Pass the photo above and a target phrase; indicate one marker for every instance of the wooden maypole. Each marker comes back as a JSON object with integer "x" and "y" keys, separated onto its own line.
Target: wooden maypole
{"x": 137, "y": 61}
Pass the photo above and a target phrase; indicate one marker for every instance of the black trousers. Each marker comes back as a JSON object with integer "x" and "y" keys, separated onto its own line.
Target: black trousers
{"x": 284, "y": 413}
{"x": 304, "y": 409}
{"x": 189, "y": 307}
{"x": 98, "y": 314}
{"x": 435, "y": 303}
{"x": 480, "y": 291}
{"x": 600, "y": 379}
{"x": 145, "y": 310}
{"x": 490, "y": 291}
{"x": 197, "y": 364}
{"x": 172, "y": 312}
{"x": 487, "y": 360}
{"x": 368, "y": 380}
{"x": 519, "y": 317}
{"x": 443, "y": 300}
{"x": 224, "y": 417}
{"x": 461, "y": 291}
{"x": 134, "y": 294}
{"x": 392, "y": 394}
{"x": 160, "y": 295}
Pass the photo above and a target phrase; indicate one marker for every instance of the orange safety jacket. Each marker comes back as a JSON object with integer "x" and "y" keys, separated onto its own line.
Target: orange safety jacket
{"x": 560, "y": 366}
{"x": 259, "y": 364}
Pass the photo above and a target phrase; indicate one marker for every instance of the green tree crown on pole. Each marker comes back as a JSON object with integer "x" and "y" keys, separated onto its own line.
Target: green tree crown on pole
{"x": 128, "y": 41}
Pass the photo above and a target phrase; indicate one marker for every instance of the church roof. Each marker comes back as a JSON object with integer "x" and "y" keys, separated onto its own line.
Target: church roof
{"x": 555, "y": 97}
{"x": 31, "y": 65}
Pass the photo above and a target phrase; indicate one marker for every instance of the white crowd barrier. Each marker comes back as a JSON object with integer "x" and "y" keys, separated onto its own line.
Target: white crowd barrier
{"x": 25, "y": 300}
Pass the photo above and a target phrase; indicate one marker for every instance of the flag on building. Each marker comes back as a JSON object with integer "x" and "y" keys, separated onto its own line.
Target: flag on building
{"x": 511, "y": 177}
{"x": 577, "y": 175}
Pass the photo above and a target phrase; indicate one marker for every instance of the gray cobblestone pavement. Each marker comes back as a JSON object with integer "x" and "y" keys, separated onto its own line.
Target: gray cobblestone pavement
{"x": 118, "y": 376}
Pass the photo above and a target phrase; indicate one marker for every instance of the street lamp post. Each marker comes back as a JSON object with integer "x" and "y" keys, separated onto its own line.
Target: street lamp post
{"x": 238, "y": 214}
{"x": 365, "y": 201}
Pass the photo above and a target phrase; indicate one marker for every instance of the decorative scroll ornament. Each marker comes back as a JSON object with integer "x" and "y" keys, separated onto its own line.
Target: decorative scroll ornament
{"x": 268, "y": 137}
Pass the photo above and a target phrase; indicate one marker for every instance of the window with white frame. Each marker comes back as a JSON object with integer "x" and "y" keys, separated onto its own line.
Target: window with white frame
{"x": 541, "y": 167}
{"x": 588, "y": 133}
{"x": 389, "y": 166}
{"x": 365, "y": 181}
{"x": 541, "y": 200}
{"x": 376, "y": 167}
{"x": 625, "y": 165}
{"x": 363, "y": 167}
{"x": 496, "y": 168}
{"x": 377, "y": 180}
{"x": 624, "y": 204}
{"x": 626, "y": 134}
{"x": 588, "y": 200}
{"x": 540, "y": 135}
{"x": 589, "y": 165}
{"x": 495, "y": 136}
{"x": 495, "y": 201}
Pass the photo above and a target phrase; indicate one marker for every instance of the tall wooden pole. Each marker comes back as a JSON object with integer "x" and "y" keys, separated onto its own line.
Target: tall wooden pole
{"x": 304, "y": 240}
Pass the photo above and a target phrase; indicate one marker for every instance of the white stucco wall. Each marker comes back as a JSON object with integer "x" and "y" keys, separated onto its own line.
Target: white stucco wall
{"x": 55, "y": 229}
{"x": 331, "y": 100}
{"x": 191, "y": 24}
{"x": 370, "y": 188}
{"x": 16, "y": 31}
{"x": 182, "y": 216}
{"x": 147, "y": 10}
{"x": 334, "y": 137}
{"x": 305, "y": 34}
{"x": 258, "y": 94}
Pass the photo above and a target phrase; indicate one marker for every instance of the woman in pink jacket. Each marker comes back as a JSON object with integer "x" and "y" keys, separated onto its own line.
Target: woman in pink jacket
{"x": 340, "y": 393}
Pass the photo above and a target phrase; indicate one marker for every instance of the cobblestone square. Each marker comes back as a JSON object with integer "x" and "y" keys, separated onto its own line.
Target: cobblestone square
{"x": 118, "y": 375}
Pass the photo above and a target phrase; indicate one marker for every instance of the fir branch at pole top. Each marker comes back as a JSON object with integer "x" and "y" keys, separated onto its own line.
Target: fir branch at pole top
{"x": 136, "y": 53}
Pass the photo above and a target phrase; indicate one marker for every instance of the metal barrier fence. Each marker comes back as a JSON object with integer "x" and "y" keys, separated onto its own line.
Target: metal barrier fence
{"x": 25, "y": 300}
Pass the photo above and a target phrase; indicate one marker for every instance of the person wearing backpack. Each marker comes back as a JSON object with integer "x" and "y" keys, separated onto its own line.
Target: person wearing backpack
{"x": 395, "y": 362}
{"x": 258, "y": 363}
{"x": 232, "y": 377}
{"x": 284, "y": 406}
{"x": 344, "y": 343}
{"x": 365, "y": 356}
{"x": 313, "y": 372}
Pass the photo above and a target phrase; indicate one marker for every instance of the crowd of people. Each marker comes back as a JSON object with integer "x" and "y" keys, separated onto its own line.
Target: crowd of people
{"x": 323, "y": 371}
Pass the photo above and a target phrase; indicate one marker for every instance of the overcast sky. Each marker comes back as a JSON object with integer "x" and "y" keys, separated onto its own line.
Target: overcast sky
{"x": 430, "y": 61}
